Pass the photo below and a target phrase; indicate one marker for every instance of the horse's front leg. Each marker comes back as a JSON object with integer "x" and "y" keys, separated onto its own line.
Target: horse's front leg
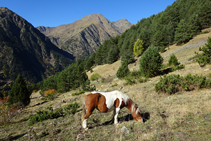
{"x": 116, "y": 112}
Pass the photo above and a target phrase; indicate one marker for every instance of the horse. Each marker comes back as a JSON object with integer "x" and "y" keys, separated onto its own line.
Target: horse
{"x": 106, "y": 102}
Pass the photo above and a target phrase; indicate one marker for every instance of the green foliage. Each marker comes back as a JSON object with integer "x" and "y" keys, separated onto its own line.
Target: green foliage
{"x": 129, "y": 80}
{"x": 134, "y": 77}
{"x": 128, "y": 57}
{"x": 150, "y": 62}
{"x": 174, "y": 83}
{"x": 95, "y": 76}
{"x": 123, "y": 70}
{"x": 73, "y": 108}
{"x": 44, "y": 115}
{"x": 138, "y": 47}
{"x": 173, "y": 60}
{"x": 19, "y": 92}
{"x": 205, "y": 57}
{"x": 181, "y": 34}
{"x": 78, "y": 93}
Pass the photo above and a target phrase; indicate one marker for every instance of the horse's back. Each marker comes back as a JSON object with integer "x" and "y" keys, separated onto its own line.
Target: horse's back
{"x": 112, "y": 96}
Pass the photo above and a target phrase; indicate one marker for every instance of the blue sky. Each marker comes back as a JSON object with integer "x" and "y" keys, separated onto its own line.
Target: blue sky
{"x": 57, "y": 12}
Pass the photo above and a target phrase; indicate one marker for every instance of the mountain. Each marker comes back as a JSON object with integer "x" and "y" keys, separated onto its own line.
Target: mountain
{"x": 25, "y": 50}
{"x": 84, "y": 36}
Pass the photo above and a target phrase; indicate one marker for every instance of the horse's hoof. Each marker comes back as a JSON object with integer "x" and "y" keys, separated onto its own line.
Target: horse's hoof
{"x": 86, "y": 129}
{"x": 116, "y": 124}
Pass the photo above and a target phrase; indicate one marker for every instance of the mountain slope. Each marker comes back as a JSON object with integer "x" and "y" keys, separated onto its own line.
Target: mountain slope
{"x": 26, "y": 51}
{"x": 84, "y": 36}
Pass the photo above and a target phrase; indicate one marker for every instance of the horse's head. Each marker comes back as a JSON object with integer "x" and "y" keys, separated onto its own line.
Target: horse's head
{"x": 136, "y": 113}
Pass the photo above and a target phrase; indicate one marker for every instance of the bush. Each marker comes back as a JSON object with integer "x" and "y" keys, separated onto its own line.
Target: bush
{"x": 150, "y": 62}
{"x": 129, "y": 80}
{"x": 205, "y": 58}
{"x": 173, "y": 60}
{"x": 174, "y": 83}
{"x": 78, "y": 93}
{"x": 44, "y": 115}
{"x": 123, "y": 70}
{"x": 95, "y": 76}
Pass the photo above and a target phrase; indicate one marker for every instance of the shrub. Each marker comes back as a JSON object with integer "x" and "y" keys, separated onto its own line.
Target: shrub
{"x": 78, "y": 93}
{"x": 95, "y": 76}
{"x": 129, "y": 80}
{"x": 150, "y": 62}
{"x": 73, "y": 108}
{"x": 50, "y": 91}
{"x": 173, "y": 60}
{"x": 44, "y": 115}
{"x": 174, "y": 83}
{"x": 205, "y": 58}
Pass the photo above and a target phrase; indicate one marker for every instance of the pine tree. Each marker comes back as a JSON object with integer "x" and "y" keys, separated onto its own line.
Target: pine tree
{"x": 19, "y": 92}
{"x": 181, "y": 34}
{"x": 123, "y": 70}
{"x": 173, "y": 60}
{"x": 150, "y": 62}
{"x": 113, "y": 54}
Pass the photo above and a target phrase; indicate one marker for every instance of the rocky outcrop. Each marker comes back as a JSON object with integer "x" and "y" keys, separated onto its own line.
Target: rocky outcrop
{"x": 84, "y": 36}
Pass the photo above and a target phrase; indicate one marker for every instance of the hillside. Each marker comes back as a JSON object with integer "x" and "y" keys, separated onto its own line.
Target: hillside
{"x": 85, "y": 35}
{"x": 183, "y": 116}
{"x": 26, "y": 51}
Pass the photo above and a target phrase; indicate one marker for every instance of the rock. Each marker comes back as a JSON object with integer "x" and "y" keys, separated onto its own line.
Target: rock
{"x": 19, "y": 111}
{"x": 124, "y": 130}
{"x": 206, "y": 69}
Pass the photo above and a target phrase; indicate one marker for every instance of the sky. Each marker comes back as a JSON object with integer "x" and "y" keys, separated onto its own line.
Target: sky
{"x": 52, "y": 13}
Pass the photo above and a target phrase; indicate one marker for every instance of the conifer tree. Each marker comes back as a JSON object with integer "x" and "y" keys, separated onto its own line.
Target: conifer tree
{"x": 150, "y": 62}
{"x": 123, "y": 70}
{"x": 19, "y": 92}
{"x": 181, "y": 33}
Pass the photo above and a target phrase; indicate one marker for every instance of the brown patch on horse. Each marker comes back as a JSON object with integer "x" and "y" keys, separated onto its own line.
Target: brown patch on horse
{"x": 117, "y": 102}
{"x": 93, "y": 101}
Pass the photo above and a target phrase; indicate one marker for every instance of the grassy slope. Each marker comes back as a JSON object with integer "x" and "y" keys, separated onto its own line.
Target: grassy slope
{"x": 183, "y": 116}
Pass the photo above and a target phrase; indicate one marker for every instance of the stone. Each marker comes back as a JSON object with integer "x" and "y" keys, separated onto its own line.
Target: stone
{"x": 124, "y": 130}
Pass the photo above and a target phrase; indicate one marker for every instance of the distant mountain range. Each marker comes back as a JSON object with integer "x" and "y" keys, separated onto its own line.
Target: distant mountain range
{"x": 25, "y": 50}
{"x": 84, "y": 36}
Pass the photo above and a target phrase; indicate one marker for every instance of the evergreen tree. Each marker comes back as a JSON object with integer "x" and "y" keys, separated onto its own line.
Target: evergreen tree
{"x": 19, "y": 92}
{"x": 181, "y": 33}
{"x": 194, "y": 25}
{"x": 113, "y": 54}
{"x": 173, "y": 60}
{"x": 49, "y": 83}
{"x": 205, "y": 14}
{"x": 123, "y": 70}
{"x": 128, "y": 57}
{"x": 90, "y": 61}
{"x": 138, "y": 47}
{"x": 150, "y": 62}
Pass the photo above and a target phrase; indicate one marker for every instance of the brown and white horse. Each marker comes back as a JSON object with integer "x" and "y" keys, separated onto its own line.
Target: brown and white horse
{"x": 108, "y": 101}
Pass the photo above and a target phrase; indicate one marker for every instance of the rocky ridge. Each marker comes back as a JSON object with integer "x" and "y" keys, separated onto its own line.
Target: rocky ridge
{"x": 84, "y": 36}
{"x": 26, "y": 51}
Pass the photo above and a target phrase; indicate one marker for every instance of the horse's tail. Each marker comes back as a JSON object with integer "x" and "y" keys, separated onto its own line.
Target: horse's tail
{"x": 83, "y": 110}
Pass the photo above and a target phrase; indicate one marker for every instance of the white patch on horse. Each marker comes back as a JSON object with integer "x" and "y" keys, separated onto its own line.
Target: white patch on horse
{"x": 133, "y": 107}
{"x": 112, "y": 96}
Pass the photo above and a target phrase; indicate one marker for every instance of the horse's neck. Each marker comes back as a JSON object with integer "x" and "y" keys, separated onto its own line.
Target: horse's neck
{"x": 129, "y": 105}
